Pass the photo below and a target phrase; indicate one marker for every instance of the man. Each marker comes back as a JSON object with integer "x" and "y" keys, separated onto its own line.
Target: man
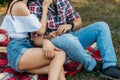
{"x": 63, "y": 19}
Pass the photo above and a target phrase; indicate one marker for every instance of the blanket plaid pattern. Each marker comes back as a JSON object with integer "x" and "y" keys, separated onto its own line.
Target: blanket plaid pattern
{"x": 7, "y": 73}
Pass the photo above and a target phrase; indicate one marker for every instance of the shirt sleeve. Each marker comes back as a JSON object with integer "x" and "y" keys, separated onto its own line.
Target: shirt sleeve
{"x": 28, "y": 23}
{"x": 35, "y": 8}
{"x": 71, "y": 13}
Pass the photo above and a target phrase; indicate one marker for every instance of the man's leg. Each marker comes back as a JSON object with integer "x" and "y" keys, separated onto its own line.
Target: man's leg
{"x": 98, "y": 32}
{"x": 71, "y": 45}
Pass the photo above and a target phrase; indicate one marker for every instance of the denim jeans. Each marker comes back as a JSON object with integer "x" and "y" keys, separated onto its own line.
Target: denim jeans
{"x": 75, "y": 43}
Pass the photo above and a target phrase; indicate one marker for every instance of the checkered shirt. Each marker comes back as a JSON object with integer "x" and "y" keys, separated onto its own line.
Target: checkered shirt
{"x": 65, "y": 13}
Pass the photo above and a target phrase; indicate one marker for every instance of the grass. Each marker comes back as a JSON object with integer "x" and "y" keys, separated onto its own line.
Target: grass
{"x": 92, "y": 11}
{"x": 99, "y": 10}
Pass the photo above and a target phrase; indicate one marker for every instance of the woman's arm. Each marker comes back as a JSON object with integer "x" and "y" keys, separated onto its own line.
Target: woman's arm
{"x": 48, "y": 47}
{"x": 18, "y": 9}
{"x": 46, "y": 4}
{"x": 38, "y": 41}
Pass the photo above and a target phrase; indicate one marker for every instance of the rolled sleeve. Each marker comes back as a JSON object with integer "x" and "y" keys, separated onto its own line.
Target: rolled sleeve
{"x": 71, "y": 13}
{"x": 34, "y": 8}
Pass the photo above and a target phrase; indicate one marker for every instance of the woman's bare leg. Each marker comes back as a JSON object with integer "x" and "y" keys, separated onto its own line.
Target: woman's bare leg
{"x": 37, "y": 60}
{"x": 44, "y": 70}
{"x": 41, "y": 70}
{"x": 56, "y": 66}
{"x": 62, "y": 75}
{"x": 32, "y": 58}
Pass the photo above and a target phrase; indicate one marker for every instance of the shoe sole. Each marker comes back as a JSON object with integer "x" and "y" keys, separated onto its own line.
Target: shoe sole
{"x": 107, "y": 77}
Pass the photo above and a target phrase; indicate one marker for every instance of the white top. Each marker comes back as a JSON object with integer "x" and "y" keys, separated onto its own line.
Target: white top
{"x": 19, "y": 26}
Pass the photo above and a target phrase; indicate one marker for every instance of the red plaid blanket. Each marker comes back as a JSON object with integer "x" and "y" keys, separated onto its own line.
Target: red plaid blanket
{"x": 7, "y": 73}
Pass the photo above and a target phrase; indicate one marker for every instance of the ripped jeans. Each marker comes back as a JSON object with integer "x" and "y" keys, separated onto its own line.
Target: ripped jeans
{"x": 75, "y": 43}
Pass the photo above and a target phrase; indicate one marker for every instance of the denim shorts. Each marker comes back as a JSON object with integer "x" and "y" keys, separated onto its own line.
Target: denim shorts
{"x": 16, "y": 49}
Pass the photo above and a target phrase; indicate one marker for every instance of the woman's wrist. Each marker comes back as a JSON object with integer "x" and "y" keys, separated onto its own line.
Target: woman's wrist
{"x": 45, "y": 41}
{"x": 45, "y": 7}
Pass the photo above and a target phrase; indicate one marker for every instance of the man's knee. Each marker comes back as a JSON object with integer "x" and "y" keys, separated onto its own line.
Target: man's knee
{"x": 103, "y": 25}
{"x": 64, "y": 40}
{"x": 69, "y": 38}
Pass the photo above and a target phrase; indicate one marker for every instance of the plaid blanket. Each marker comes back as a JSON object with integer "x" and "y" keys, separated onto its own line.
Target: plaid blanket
{"x": 7, "y": 73}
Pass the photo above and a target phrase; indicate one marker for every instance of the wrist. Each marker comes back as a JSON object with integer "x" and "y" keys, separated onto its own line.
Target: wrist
{"x": 45, "y": 8}
{"x": 71, "y": 25}
{"x": 46, "y": 40}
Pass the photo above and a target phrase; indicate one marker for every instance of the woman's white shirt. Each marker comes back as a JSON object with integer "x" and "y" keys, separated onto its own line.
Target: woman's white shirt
{"x": 19, "y": 26}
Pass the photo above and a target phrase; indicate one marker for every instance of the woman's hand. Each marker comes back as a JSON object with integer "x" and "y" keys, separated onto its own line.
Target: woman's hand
{"x": 47, "y": 3}
{"x": 48, "y": 49}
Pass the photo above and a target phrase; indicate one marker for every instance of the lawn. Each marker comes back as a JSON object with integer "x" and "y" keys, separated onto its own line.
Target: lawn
{"x": 92, "y": 11}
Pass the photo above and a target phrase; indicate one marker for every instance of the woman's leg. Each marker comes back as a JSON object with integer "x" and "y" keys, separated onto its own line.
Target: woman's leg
{"x": 32, "y": 58}
{"x": 62, "y": 75}
{"x": 56, "y": 66}
{"x": 37, "y": 60}
{"x": 45, "y": 69}
{"x": 41, "y": 70}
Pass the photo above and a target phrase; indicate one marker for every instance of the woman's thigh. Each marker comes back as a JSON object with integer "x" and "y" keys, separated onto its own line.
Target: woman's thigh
{"x": 32, "y": 58}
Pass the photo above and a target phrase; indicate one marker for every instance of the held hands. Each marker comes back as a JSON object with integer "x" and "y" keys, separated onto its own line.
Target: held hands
{"x": 63, "y": 28}
{"x": 46, "y": 3}
{"x": 48, "y": 50}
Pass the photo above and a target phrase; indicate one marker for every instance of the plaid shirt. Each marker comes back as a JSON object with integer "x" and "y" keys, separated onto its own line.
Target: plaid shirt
{"x": 65, "y": 13}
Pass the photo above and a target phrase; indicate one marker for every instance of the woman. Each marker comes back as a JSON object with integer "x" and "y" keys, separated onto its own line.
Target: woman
{"x": 22, "y": 55}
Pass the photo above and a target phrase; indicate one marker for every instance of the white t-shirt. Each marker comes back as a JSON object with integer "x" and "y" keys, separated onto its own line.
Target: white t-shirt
{"x": 19, "y": 26}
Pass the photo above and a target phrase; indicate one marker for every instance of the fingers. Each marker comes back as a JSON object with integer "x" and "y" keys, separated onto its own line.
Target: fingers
{"x": 57, "y": 49}
{"x": 60, "y": 30}
{"x": 63, "y": 29}
{"x": 48, "y": 54}
{"x": 53, "y": 35}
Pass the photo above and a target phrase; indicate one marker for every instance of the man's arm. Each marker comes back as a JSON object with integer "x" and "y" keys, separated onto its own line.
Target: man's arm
{"x": 77, "y": 24}
{"x": 73, "y": 21}
{"x": 73, "y": 16}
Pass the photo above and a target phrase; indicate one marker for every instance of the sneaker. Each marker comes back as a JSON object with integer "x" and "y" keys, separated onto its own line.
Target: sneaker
{"x": 98, "y": 67}
{"x": 111, "y": 72}
{"x": 118, "y": 66}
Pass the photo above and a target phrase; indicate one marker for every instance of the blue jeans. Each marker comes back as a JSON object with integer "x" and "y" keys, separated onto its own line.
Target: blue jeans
{"x": 15, "y": 49}
{"x": 75, "y": 43}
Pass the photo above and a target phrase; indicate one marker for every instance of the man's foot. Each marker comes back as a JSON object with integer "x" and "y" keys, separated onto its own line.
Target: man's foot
{"x": 112, "y": 72}
{"x": 118, "y": 66}
{"x": 98, "y": 67}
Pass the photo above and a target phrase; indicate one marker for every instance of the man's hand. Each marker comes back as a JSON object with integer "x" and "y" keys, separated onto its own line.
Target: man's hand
{"x": 48, "y": 49}
{"x": 51, "y": 35}
{"x": 63, "y": 28}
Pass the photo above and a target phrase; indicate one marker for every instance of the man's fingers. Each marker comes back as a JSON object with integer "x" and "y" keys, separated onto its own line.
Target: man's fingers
{"x": 53, "y": 35}
{"x": 57, "y": 49}
{"x": 65, "y": 30}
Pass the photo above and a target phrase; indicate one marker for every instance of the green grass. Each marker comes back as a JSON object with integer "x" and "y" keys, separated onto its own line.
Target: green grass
{"x": 102, "y": 10}
{"x": 98, "y": 10}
